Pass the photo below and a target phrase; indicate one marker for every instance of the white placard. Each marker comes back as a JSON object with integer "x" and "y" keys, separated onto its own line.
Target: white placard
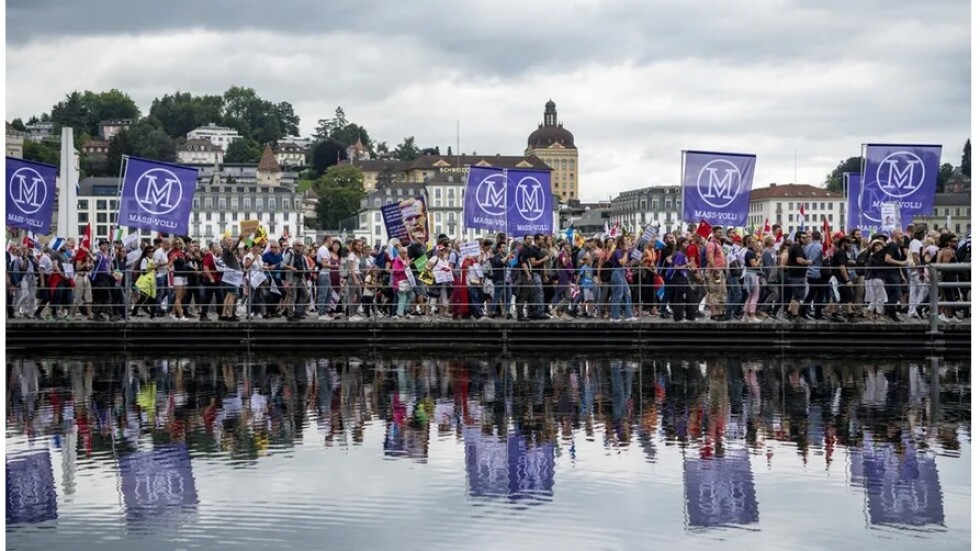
{"x": 470, "y": 248}
{"x": 256, "y": 278}
{"x": 232, "y": 277}
{"x": 890, "y": 213}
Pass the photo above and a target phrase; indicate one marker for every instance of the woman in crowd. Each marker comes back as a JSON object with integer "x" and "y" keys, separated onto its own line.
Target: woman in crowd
{"x": 177, "y": 262}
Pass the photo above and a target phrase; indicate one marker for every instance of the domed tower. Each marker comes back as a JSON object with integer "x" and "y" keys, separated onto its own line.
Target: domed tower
{"x": 555, "y": 145}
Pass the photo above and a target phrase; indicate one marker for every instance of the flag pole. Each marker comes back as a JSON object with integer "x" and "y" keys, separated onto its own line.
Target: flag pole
{"x": 683, "y": 154}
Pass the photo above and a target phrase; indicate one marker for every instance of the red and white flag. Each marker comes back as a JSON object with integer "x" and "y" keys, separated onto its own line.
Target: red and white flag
{"x": 86, "y": 241}
{"x": 801, "y": 216}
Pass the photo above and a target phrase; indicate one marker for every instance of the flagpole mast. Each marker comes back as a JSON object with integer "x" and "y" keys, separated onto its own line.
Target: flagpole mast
{"x": 682, "y": 221}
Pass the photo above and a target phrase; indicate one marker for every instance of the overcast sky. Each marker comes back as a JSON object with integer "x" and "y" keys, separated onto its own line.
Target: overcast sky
{"x": 636, "y": 81}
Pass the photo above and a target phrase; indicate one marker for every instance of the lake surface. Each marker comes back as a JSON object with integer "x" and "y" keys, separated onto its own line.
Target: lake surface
{"x": 523, "y": 453}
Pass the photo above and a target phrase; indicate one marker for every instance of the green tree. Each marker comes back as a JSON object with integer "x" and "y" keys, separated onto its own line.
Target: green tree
{"x": 144, "y": 139}
{"x": 70, "y": 112}
{"x": 834, "y": 180}
{"x": 18, "y": 124}
{"x": 327, "y": 154}
{"x": 254, "y": 117}
{"x": 43, "y": 152}
{"x": 430, "y": 151}
{"x": 288, "y": 120}
{"x": 339, "y": 193}
{"x": 945, "y": 175}
{"x": 243, "y": 151}
{"x": 407, "y": 150}
{"x": 343, "y": 131}
{"x": 965, "y": 161}
{"x": 181, "y": 112}
{"x": 84, "y": 111}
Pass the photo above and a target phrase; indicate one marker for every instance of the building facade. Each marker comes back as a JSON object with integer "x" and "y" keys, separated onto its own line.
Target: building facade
{"x": 200, "y": 152}
{"x": 15, "y": 142}
{"x": 220, "y": 136}
{"x": 290, "y": 154}
{"x": 108, "y": 129}
{"x": 951, "y": 211}
{"x": 780, "y": 204}
{"x": 95, "y": 147}
{"x": 555, "y": 145}
{"x": 37, "y": 131}
{"x": 657, "y": 205}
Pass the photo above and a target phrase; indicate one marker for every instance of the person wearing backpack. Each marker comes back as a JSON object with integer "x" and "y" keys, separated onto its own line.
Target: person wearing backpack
{"x": 297, "y": 271}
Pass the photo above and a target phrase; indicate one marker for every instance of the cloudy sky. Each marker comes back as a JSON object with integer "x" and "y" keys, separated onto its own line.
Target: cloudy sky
{"x": 636, "y": 81}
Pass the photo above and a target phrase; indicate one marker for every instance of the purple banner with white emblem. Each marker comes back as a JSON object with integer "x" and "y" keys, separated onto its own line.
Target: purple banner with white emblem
{"x": 864, "y": 205}
{"x": 31, "y": 495}
{"x": 903, "y": 173}
{"x": 157, "y": 482}
{"x": 508, "y": 467}
{"x": 901, "y": 484}
{"x": 529, "y": 202}
{"x": 30, "y": 195}
{"x": 157, "y": 196}
{"x": 716, "y": 187}
{"x": 720, "y": 490}
{"x": 485, "y": 206}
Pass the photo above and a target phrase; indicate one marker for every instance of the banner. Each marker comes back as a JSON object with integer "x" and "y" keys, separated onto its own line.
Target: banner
{"x": 716, "y": 187}
{"x": 31, "y": 189}
{"x": 864, "y": 205}
{"x": 889, "y": 215}
{"x": 508, "y": 468}
{"x": 407, "y": 219}
{"x": 156, "y": 482}
{"x": 529, "y": 202}
{"x": 903, "y": 173}
{"x": 720, "y": 491}
{"x": 902, "y": 487}
{"x": 157, "y": 196}
{"x": 470, "y": 248}
{"x": 31, "y": 494}
{"x": 485, "y": 203}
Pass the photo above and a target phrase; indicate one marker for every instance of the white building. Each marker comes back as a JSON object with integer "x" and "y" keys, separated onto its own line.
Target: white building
{"x": 98, "y": 203}
{"x": 220, "y": 136}
{"x": 108, "y": 129}
{"x": 780, "y": 204}
{"x": 37, "y": 131}
{"x": 657, "y": 205}
{"x": 302, "y": 143}
{"x": 290, "y": 154}
{"x": 15, "y": 142}
{"x": 200, "y": 152}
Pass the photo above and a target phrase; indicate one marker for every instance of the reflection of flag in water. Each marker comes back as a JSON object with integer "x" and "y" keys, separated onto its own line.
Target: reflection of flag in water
{"x": 509, "y": 468}
{"x": 158, "y": 481}
{"x": 901, "y": 488}
{"x": 720, "y": 491}
{"x": 31, "y": 495}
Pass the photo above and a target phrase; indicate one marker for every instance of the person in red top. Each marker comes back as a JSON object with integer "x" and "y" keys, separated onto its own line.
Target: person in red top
{"x": 211, "y": 281}
{"x": 715, "y": 256}
{"x": 693, "y": 253}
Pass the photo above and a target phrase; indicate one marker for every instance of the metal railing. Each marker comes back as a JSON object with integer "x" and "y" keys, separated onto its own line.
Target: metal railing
{"x": 935, "y": 285}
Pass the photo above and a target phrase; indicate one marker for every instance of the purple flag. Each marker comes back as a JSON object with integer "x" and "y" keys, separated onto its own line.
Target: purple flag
{"x": 485, "y": 205}
{"x": 903, "y": 173}
{"x": 157, "y": 482}
{"x": 508, "y": 468}
{"x": 717, "y": 187}
{"x": 31, "y": 495}
{"x": 864, "y": 205}
{"x": 902, "y": 487}
{"x": 407, "y": 219}
{"x": 720, "y": 490}
{"x": 157, "y": 196}
{"x": 30, "y": 195}
{"x": 529, "y": 202}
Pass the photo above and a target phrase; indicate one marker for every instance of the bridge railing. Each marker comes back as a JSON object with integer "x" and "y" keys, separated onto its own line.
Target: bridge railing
{"x": 936, "y": 301}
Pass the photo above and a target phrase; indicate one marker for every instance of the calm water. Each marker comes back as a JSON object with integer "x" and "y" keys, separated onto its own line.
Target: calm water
{"x": 515, "y": 454}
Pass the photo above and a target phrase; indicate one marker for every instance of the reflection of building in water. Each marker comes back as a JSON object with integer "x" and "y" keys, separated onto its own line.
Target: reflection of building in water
{"x": 157, "y": 482}
{"x": 720, "y": 491}
{"x": 31, "y": 494}
{"x": 508, "y": 467}
{"x": 901, "y": 485}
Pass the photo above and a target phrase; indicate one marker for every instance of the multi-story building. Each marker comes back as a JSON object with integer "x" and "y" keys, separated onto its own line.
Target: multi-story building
{"x": 587, "y": 218}
{"x": 108, "y": 129}
{"x": 555, "y": 145}
{"x": 220, "y": 136}
{"x": 37, "y": 131}
{"x": 780, "y": 204}
{"x": 426, "y": 166}
{"x": 98, "y": 204}
{"x": 200, "y": 152}
{"x": 657, "y": 205}
{"x": 15, "y": 142}
{"x": 302, "y": 143}
{"x": 358, "y": 152}
{"x": 951, "y": 211}
{"x": 95, "y": 147}
{"x": 290, "y": 154}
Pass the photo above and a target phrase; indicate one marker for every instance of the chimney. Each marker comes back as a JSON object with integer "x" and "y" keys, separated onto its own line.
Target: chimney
{"x": 772, "y": 185}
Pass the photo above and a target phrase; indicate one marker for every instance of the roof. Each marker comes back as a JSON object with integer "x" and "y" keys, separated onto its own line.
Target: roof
{"x": 212, "y": 126}
{"x": 195, "y": 144}
{"x": 793, "y": 191}
{"x": 953, "y": 199}
{"x": 546, "y": 136}
{"x": 433, "y": 162}
{"x": 288, "y": 147}
{"x": 268, "y": 162}
{"x": 377, "y": 165}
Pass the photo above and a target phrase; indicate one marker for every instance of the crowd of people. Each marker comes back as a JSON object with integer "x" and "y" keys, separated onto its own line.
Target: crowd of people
{"x": 683, "y": 276}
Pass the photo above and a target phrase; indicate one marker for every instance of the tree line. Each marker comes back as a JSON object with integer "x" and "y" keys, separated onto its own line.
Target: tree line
{"x": 834, "y": 181}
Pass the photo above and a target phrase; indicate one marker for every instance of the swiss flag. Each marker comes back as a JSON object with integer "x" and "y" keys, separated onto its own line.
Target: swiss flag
{"x": 768, "y": 228}
{"x": 704, "y": 229}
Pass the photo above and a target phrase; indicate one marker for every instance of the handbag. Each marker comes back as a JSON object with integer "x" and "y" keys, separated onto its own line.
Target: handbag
{"x": 488, "y": 287}
{"x": 404, "y": 286}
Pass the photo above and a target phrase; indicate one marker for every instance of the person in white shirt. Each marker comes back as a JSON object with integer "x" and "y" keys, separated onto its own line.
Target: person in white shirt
{"x": 161, "y": 260}
{"x": 918, "y": 288}
{"x": 45, "y": 267}
{"x": 323, "y": 289}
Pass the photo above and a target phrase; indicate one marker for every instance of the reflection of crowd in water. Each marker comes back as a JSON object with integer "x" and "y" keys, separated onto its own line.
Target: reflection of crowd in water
{"x": 244, "y": 411}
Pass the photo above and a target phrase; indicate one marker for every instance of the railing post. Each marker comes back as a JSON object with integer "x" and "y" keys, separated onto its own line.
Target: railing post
{"x": 933, "y": 299}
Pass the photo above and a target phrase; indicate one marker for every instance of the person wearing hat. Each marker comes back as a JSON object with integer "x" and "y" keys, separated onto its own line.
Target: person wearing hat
{"x": 101, "y": 281}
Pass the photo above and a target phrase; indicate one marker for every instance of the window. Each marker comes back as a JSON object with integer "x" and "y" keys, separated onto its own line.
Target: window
{"x": 946, "y": 213}
{"x": 957, "y": 228}
{"x": 101, "y": 217}
{"x": 83, "y": 217}
{"x": 830, "y": 217}
{"x": 222, "y": 203}
{"x": 207, "y": 216}
{"x": 208, "y": 203}
{"x": 377, "y": 202}
{"x": 234, "y": 203}
{"x": 656, "y": 204}
{"x": 438, "y": 193}
{"x": 823, "y": 206}
{"x": 438, "y": 218}
{"x": 100, "y": 204}
{"x": 197, "y": 202}
{"x": 81, "y": 229}
{"x": 377, "y": 230}
{"x": 247, "y": 203}
{"x": 272, "y": 203}
{"x": 102, "y": 230}
{"x": 113, "y": 205}
{"x": 957, "y": 213}
{"x": 83, "y": 204}
{"x": 377, "y": 217}
{"x": 438, "y": 202}
{"x": 259, "y": 203}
